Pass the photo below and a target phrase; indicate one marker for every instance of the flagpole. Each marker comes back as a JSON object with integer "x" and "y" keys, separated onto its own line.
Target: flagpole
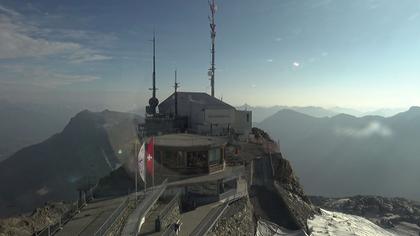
{"x": 136, "y": 158}
{"x": 144, "y": 171}
{"x": 153, "y": 176}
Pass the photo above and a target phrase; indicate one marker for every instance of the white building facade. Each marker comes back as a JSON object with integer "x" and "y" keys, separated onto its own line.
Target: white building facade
{"x": 207, "y": 114}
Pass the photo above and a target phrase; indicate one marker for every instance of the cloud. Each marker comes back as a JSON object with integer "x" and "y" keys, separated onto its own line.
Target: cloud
{"x": 57, "y": 79}
{"x": 8, "y": 11}
{"x": 88, "y": 56}
{"x": 17, "y": 43}
{"x": 374, "y": 128}
{"x": 40, "y": 76}
{"x": 296, "y": 64}
{"x": 269, "y": 60}
{"x": 22, "y": 40}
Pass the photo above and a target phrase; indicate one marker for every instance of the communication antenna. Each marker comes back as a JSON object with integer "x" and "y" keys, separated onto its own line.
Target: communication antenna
{"x": 176, "y": 86}
{"x": 153, "y": 101}
{"x": 212, "y": 69}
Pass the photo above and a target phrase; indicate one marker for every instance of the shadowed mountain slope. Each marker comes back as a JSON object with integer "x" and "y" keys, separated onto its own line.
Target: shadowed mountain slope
{"x": 89, "y": 147}
{"x": 22, "y": 125}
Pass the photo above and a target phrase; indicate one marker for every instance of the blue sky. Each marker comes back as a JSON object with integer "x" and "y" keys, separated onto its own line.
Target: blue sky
{"x": 359, "y": 53}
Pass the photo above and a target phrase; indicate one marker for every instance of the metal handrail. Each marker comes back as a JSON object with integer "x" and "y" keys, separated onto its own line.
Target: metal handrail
{"x": 211, "y": 219}
{"x": 174, "y": 200}
{"x": 53, "y": 228}
{"x": 112, "y": 218}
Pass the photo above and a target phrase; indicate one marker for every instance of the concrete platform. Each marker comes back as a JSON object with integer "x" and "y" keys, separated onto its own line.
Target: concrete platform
{"x": 191, "y": 219}
{"x": 91, "y": 217}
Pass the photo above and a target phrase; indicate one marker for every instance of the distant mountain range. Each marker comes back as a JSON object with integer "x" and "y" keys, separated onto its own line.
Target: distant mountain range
{"x": 24, "y": 124}
{"x": 259, "y": 113}
{"x": 90, "y": 146}
{"x": 345, "y": 155}
{"x": 333, "y": 154}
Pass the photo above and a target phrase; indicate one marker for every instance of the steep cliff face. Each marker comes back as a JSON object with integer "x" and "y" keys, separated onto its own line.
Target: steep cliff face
{"x": 276, "y": 186}
{"x": 292, "y": 193}
{"x": 285, "y": 176}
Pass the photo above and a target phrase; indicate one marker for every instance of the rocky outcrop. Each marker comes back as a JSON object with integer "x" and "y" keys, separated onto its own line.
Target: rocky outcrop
{"x": 38, "y": 220}
{"x": 290, "y": 190}
{"x": 284, "y": 175}
{"x": 274, "y": 175}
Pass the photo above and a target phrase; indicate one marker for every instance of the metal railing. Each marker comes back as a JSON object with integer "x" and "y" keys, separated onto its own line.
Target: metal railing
{"x": 103, "y": 230}
{"x": 133, "y": 223}
{"x": 210, "y": 220}
{"x": 168, "y": 207}
{"x": 164, "y": 214}
{"x": 214, "y": 215}
{"x": 66, "y": 217}
{"x": 170, "y": 230}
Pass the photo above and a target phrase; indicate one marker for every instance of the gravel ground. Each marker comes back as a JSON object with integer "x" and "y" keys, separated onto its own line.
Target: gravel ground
{"x": 237, "y": 220}
{"x": 39, "y": 219}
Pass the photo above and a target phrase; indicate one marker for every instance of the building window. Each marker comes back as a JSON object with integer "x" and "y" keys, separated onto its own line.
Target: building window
{"x": 247, "y": 117}
{"x": 180, "y": 159}
{"x": 214, "y": 156}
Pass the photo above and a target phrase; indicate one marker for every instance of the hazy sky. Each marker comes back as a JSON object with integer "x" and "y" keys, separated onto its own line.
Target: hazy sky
{"x": 358, "y": 53}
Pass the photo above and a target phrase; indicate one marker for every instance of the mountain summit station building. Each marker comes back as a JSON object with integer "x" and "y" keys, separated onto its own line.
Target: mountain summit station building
{"x": 207, "y": 115}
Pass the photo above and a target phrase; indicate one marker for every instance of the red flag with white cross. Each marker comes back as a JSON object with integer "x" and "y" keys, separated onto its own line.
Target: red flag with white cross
{"x": 150, "y": 153}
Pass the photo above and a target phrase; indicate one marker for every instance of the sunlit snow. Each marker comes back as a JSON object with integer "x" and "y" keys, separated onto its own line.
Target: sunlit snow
{"x": 335, "y": 223}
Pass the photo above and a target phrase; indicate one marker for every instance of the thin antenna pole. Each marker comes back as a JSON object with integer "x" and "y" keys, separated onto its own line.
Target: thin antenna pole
{"x": 153, "y": 102}
{"x": 176, "y": 86}
{"x": 136, "y": 166}
{"x": 154, "y": 65}
{"x": 212, "y": 69}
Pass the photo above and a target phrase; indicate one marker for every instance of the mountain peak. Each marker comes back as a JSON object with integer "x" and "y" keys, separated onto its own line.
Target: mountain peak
{"x": 414, "y": 109}
{"x": 412, "y": 113}
{"x": 344, "y": 116}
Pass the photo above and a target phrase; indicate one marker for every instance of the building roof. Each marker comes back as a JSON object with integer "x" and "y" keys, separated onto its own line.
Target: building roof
{"x": 189, "y": 140}
{"x": 184, "y": 98}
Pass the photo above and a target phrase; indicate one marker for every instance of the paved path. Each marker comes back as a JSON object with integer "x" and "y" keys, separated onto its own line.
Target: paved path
{"x": 191, "y": 219}
{"x": 91, "y": 217}
{"x": 148, "y": 227}
{"x": 131, "y": 227}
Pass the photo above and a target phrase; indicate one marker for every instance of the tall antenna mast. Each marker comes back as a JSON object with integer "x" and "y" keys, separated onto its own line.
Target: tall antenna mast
{"x": 153, "y": 101}
{"x": 212, "y": 69}
{"x": 154, "y": 66}
{"x": 176, "y": 86}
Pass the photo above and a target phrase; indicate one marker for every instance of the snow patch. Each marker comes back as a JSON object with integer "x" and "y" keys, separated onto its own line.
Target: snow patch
{"x": 265, "y": 228}
{"x": 335, "y": 223}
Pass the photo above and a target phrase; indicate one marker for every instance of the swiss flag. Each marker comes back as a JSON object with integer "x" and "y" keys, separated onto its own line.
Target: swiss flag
{"x": 150, "y": 155}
